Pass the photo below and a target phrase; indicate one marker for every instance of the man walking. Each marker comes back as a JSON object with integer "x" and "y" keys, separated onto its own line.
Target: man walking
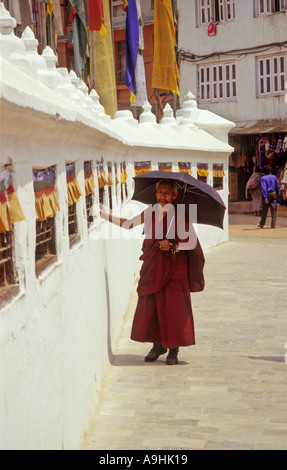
{"x": 270, "y": 193}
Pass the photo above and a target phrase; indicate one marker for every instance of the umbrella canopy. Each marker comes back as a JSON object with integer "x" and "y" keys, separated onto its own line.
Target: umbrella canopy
{"x": 210, "y": 206}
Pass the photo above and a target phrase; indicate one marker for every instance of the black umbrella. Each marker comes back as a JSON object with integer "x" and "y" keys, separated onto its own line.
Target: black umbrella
{"x": 210, "y": 206}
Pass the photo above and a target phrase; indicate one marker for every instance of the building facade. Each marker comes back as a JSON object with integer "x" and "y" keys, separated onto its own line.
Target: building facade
{"x": 233, "y": 56}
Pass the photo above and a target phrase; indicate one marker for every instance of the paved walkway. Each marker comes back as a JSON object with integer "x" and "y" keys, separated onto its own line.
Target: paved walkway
{"x": 227, "y": 392}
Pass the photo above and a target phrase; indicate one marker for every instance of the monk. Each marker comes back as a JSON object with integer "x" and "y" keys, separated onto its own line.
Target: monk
{"x": 172, "y": 267}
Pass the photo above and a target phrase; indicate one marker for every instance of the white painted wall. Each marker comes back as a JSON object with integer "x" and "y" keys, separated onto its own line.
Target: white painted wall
{"x": 57, "y": 336}
{"x": 246, "y": 31}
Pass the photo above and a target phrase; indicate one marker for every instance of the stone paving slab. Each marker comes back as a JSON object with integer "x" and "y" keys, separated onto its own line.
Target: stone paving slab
{"x": 227, "y": 392}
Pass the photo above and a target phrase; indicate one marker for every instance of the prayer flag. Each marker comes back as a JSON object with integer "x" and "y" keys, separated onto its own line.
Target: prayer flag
{"x": 46, "y": 200}
{"x": 132, "y": 47}
{"x": 24, "y": 8}
{"x": 57, "y": 18}
{"x": 125, "y": 4}
{"x": 165, "y": 70}
{"x": 103, "y": 65}
{"x": 50, "y": 7}
{"x": 10, "y": 209}
{"x": 79, "y": 34}
{"x": 89, "y": 178}
{"x": 96, "y": 17}
{"x": 141, "y": 96}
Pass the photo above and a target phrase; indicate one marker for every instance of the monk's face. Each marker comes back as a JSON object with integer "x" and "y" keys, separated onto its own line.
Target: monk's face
{"x": 165, "y": 194}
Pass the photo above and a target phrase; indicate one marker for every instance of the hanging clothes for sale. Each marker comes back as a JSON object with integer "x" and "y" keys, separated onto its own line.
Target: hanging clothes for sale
{"x": 279, "y": 145}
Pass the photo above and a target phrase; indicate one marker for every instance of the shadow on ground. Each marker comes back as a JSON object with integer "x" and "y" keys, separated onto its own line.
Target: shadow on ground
{"x": 136, "y": 360}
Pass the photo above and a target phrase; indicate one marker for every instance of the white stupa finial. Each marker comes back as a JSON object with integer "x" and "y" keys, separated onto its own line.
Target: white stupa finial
{"x": 147, "y": 116}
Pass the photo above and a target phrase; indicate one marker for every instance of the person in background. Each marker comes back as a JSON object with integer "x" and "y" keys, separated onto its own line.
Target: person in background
{"x": 254, "y": 186}
{"x": 270, "y": 193}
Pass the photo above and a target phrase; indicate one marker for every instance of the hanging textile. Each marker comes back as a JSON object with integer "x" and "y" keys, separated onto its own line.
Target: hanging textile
{"x": 202, "y": 169}
{"x": 140, "y": 78}
{"x": 50, "y": 7}
{"x": 218, "y": 171}
{"x": 10, "y": 209}
{"x": 46, "y": 200}
{"x": 132, "y": 47}
{"x": 78, "y": 19}
{"x": 165, "y": 71}
{"x": 103, "y": 67}
{"x": 102, "y": 180}
{"x": 25, "y": 7}
{"x": 184, "y": 167}
{"x": 14, "y": 9}
{"x": 74, "y": 190}
{"x": 165, "y": 166}
{"x": 211, "y": 30}
{"x": 89, "y": 178}
{"x": 96, "y": 17}
{"x": 57, "y": 19}
{"x": 142, "y": 167}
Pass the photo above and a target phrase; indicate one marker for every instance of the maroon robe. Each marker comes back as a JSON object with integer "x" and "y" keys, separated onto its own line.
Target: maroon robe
{"x": 164, "y": 312}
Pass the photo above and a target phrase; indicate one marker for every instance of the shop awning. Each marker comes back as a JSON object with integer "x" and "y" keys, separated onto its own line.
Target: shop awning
{"x": 260, "y": 127}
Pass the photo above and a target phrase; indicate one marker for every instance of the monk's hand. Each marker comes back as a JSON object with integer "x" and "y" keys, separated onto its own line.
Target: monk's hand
{"x": 164, "y": 245}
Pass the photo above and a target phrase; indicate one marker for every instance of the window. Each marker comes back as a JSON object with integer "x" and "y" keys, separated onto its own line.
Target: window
{"x": 184, "y": 167}
{"x": 124, "y": 189}
{"x": 267, "y": 7}
{"x": 46, "y": 205}
{"x": 102, "y": 182}
{"x": 120, "y": 61}
{"x": 118, "y": 11}
{"x": 74, "y": 193}
{"x": 165, "y": 166}
{"x": 202, "y": 172}
{"x": 89, "y": 191}
{"x": 45, "y": 244}
{"x": 218, "y": 174}
{"x": 215, "y": 10}
{"x": 10, "y": 213}
{"x": 272, "y": 75}
{"x": 217, "y": 82}
{"x": 7, "y": 276}
{"x": 110, "y": 184}
{"x": 142, "y": 167}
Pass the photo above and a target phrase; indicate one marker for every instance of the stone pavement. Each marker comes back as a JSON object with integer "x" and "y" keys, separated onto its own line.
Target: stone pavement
{"x": 229, "y": 391}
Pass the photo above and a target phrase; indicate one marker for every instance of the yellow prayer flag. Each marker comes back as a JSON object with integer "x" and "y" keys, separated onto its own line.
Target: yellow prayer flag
{"x": 103, "y": 68}
{"x": 50, "y": 7}
{"x": 133, "y": 98}
{"x": 103, "y": 31}
{"x": 165, "y": 71}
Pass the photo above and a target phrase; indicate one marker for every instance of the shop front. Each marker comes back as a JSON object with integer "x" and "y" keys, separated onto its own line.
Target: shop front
{"x": 257, "y": 144}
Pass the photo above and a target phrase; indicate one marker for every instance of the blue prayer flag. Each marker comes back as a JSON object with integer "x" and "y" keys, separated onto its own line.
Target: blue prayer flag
{"x": 132, "y": 45}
